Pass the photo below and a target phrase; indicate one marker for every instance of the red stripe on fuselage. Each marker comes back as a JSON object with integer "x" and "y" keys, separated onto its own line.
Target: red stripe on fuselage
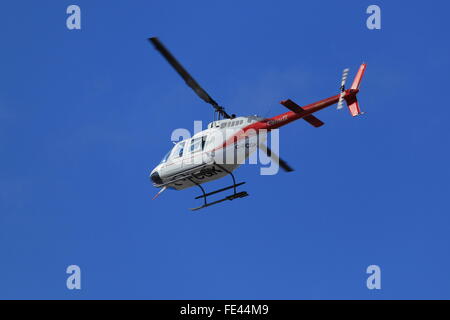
{"x": 285, "y": 118}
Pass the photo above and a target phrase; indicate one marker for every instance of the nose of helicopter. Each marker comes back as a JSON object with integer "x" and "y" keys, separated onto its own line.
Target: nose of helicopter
{"x": 156, "y": 179}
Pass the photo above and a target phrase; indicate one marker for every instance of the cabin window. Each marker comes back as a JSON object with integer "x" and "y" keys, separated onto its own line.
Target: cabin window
{"x": 198, "y": 144}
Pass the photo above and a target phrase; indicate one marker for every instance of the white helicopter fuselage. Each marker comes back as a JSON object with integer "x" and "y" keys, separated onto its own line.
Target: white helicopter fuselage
{"x": 208, "y": 155}
{"x": 226, "y": 144}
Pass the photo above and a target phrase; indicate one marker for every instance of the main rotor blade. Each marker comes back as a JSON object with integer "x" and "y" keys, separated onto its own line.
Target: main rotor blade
{"x": 283, "y": 164}
{"x": 186, "y": 76}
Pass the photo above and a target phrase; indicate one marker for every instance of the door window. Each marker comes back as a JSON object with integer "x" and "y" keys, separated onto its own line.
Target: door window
{"x": 198, "y": 144}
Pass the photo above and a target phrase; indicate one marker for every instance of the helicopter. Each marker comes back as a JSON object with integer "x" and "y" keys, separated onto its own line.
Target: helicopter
{"x": 229, "y": 140}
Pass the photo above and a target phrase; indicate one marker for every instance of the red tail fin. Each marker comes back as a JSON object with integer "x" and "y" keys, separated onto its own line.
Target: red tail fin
{"x": 351, "y": 99}
{"x": 359, "y": 76}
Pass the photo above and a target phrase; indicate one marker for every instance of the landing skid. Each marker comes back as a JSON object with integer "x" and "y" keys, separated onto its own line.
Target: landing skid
{"x": 233, "y": 196}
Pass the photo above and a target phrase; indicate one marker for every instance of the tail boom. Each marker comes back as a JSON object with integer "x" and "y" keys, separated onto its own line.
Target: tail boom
{"x": 304, "y": 112}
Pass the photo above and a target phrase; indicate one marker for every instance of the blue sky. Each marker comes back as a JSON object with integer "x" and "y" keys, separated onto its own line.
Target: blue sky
{"x": 86, "y": 114}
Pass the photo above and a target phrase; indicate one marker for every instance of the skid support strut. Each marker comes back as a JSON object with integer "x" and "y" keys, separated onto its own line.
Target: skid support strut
{"x": 233, "y": 196}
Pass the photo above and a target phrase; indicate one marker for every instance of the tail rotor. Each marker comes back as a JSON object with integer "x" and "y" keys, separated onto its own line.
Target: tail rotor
{"x": 344, "y": 79}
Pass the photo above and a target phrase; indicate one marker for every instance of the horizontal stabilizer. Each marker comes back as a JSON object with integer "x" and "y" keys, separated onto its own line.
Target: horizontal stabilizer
{"x": 313, "y": 121}
{"x": 291, "y": 105}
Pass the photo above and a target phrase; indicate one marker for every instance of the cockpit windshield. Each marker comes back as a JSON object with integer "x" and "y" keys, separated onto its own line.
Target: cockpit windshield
{"x": 175, "y": 152}
{"x": 179, "y": 149}
{"x": 165, "y": 157}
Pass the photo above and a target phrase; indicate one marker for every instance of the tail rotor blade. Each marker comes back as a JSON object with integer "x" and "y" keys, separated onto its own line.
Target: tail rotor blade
{"x": 344, "y": 79}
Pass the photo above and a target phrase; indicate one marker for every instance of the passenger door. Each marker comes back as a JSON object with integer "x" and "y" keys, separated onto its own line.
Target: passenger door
{"x": 194, "y": 155}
